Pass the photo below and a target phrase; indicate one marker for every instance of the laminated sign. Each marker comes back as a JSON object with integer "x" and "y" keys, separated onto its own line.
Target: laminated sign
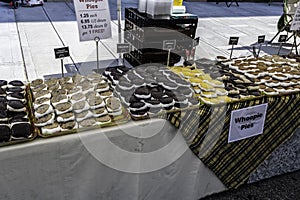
{"x": 295, "y": 26}
{"x": 93, "y": 19}
{"x": 247, "y": 122}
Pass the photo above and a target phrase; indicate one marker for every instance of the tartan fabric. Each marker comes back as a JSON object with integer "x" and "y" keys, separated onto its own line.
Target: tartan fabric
{"x": 206, "y": 132}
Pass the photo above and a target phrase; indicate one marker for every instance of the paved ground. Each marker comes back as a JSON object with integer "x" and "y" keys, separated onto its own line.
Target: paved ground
{"x": 29, "y": 35}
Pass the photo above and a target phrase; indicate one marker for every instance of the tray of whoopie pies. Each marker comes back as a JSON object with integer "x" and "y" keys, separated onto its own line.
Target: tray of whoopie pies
{"x": 71, "y": 104}
{"x": 150, "y": 90}
{"x": 15, "y": 114}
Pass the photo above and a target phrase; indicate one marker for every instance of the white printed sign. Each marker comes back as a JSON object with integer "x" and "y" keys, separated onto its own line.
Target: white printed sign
{"x": 93, "y": 19}
{"x": 247, "y": 122}
{"x": 295, "y": 26}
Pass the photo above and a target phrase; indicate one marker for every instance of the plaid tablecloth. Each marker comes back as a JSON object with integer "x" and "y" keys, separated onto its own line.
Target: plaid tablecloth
{"x": 206, "y": 132}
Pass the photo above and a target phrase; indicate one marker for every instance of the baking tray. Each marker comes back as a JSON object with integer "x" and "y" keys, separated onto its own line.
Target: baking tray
{"x": 33, "y": 131}
{"x": 122, "y": 119}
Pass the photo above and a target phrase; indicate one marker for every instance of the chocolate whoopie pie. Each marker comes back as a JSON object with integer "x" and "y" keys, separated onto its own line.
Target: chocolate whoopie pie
{"x": 152, "y": 103}
{"x": 167, "y": 101}
{"x": 3, "y": 115}
{"x": 142, "y": 93}
{"x": 138, "y": 82}
{"x": 20, "y": 129}
{"x": 3, "y": 84}
{"x": 3, "y": 105}
{"x": 5, "y": 132}
{"x": 135, "y": 106}
{"x": 15, "y": 89}
{"x": 15, "y": 115}
{"x": 125, "y": 85}
{"x": 16, "y": 105}
{"x": 16, "y": 83}
{"x": 16, "y": 96}
{"x": 2, "y": 92}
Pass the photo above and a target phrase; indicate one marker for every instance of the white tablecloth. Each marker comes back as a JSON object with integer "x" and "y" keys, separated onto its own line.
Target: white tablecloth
{"x": 128, "y": 162}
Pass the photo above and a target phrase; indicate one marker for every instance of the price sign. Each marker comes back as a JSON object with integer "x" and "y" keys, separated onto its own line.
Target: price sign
{"x": 169, "y": 44}
{"x": 61, "y": 52}
{"x": 247, "y": 122}
{"x": 261, "y": 39}
{"x": 123, "y": 48}
{"x": 233, "y": 40}
{"x": 282, "y": 38}
{"x": 93, "y": 19}
{"x": 196, "y": 42}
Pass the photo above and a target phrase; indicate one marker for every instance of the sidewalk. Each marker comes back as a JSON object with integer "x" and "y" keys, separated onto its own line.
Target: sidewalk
{"x": 35, "y": 32}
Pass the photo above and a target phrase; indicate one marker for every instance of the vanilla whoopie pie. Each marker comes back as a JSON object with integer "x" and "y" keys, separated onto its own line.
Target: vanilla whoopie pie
{"x": 102, "y": 87}
{"x": 38, "y": 102}
{"x": 61, "y": 98}
{"x": 83, "y": 115}
{"x": 65, "y": 117}
{"x": 36, "y": 83}
{"x": 51, "y": 82}
{"x": 103, "y": 119}
{"x": 5, "y": 132}
{"x": 42, "y": 94}
{"x": 51, "y": 128}
{"x": 43, "y": 110}
{"x": 97, "y": 112}
{"x": 106, "y": 94}
{"x": 95, "y": 102}
{"x": 56, "y": 92}
{"x": 45, "y": 120}
{"x": 80, "y": 106}
{"x": 39, "y": 87}
{"x": 68, "y": 125}
{"x": 87, "y": 123}
{"x": 77, "y": 97}
{"x": 113, "y": 106}
{"x": 62, "y": 108}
